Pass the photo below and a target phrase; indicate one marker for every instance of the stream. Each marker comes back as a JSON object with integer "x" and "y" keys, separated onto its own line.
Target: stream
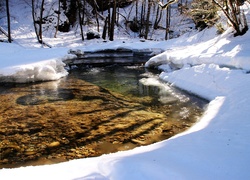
{"x": 92, "y": 111}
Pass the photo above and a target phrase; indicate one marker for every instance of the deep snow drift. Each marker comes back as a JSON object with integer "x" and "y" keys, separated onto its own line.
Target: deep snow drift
{"x": 217, "y": 147}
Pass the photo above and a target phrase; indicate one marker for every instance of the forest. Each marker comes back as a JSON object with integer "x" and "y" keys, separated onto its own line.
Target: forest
{"x": 141, "y": 17}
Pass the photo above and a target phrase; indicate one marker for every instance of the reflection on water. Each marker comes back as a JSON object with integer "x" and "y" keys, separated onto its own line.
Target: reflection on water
{"x": 45, "y": 96}
{"x": 91, "y": 112}
{"x": 136, "y": 81}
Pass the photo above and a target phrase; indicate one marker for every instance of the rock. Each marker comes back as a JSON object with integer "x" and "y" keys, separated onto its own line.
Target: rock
{"x": 30, "y": 152}
{"x": 93, "y": 35}
{"x": 138, "y": 142}
{"x": 54, "y": 144}
{"x": 76, "y": 52}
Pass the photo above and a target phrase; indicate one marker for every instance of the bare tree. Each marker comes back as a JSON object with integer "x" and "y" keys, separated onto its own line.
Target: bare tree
{"x": 34, "y": 21}
{"x": 157, "y": 17}
{"x": 142, "y": 20}
{"x": 113, "y": 20}
{"x": 109, "y": 18}
{"x": 104, "y": 33}
{"x": 41, "y": 21}
{"x": 168, "y": 18}
{"x": 8, "y": 20}
{"x": 234, "y": 13}
{"x": 136, "y": 11}
{"x": 38, "y": 21}
{"x": 58, "y": 12}
{"x": 80, "y": 17}
{"x": 147, "y": 19}
{"x": 96, "y": 15}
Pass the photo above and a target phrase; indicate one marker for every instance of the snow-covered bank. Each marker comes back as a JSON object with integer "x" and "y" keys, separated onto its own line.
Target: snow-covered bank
{"x": 30, "y": 65}
{"x": 202, "y": 48}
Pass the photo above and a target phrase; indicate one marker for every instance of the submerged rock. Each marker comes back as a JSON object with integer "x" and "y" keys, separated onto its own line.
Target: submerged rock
{"x": 54, "y": 144}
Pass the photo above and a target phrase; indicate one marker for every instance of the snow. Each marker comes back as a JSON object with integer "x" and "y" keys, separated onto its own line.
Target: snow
{"x": 30, "y": 65}
{"x": 212, "y": 66}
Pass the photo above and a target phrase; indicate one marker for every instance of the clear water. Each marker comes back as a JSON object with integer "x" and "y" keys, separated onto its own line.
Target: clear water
{"x": 90, "y": 112}
{"x": 136, "y": 81}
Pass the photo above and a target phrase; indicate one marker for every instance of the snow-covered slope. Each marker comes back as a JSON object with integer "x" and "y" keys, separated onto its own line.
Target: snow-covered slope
{"x": 219, "y": 50}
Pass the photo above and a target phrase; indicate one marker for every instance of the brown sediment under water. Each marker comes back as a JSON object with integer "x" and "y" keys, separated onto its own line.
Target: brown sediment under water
{"x": 90, "y": 112}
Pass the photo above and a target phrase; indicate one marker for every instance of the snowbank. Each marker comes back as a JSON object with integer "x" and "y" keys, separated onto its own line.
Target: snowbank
{"x": 21, "y": 65}
{"x": 217, "y": 50}
{"x": 41, "y": 71}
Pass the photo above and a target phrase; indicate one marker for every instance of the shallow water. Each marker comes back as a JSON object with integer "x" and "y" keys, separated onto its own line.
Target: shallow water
{"x": 91, "y": 112}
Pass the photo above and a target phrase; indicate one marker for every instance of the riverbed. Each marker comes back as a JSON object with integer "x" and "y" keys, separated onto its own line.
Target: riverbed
{"x": 92, "y": 111}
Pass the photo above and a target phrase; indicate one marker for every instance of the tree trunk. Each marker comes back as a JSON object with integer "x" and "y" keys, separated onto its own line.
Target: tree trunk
{"x": 136, "y": 11}
{"x": 147, "y": 19}
{"x": 96, "y": 15}
{"x": 117, "y": 15}
{"x": 104, "y": 33}
{"x": 34, "y": 20}
{"x": 156, "y": 18}
{"x": 112, "y": 28}
{"x": 168, "y": 14}
{"x": 41, "y": 22}
{"x": 58, "y": 18}
{"x": 8, "y": 20}
{"x": 109, "y": 19}
{"x": 142, "y": 33}
{"x": 38, "y": 32}
{"x": 79, "y": 4}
